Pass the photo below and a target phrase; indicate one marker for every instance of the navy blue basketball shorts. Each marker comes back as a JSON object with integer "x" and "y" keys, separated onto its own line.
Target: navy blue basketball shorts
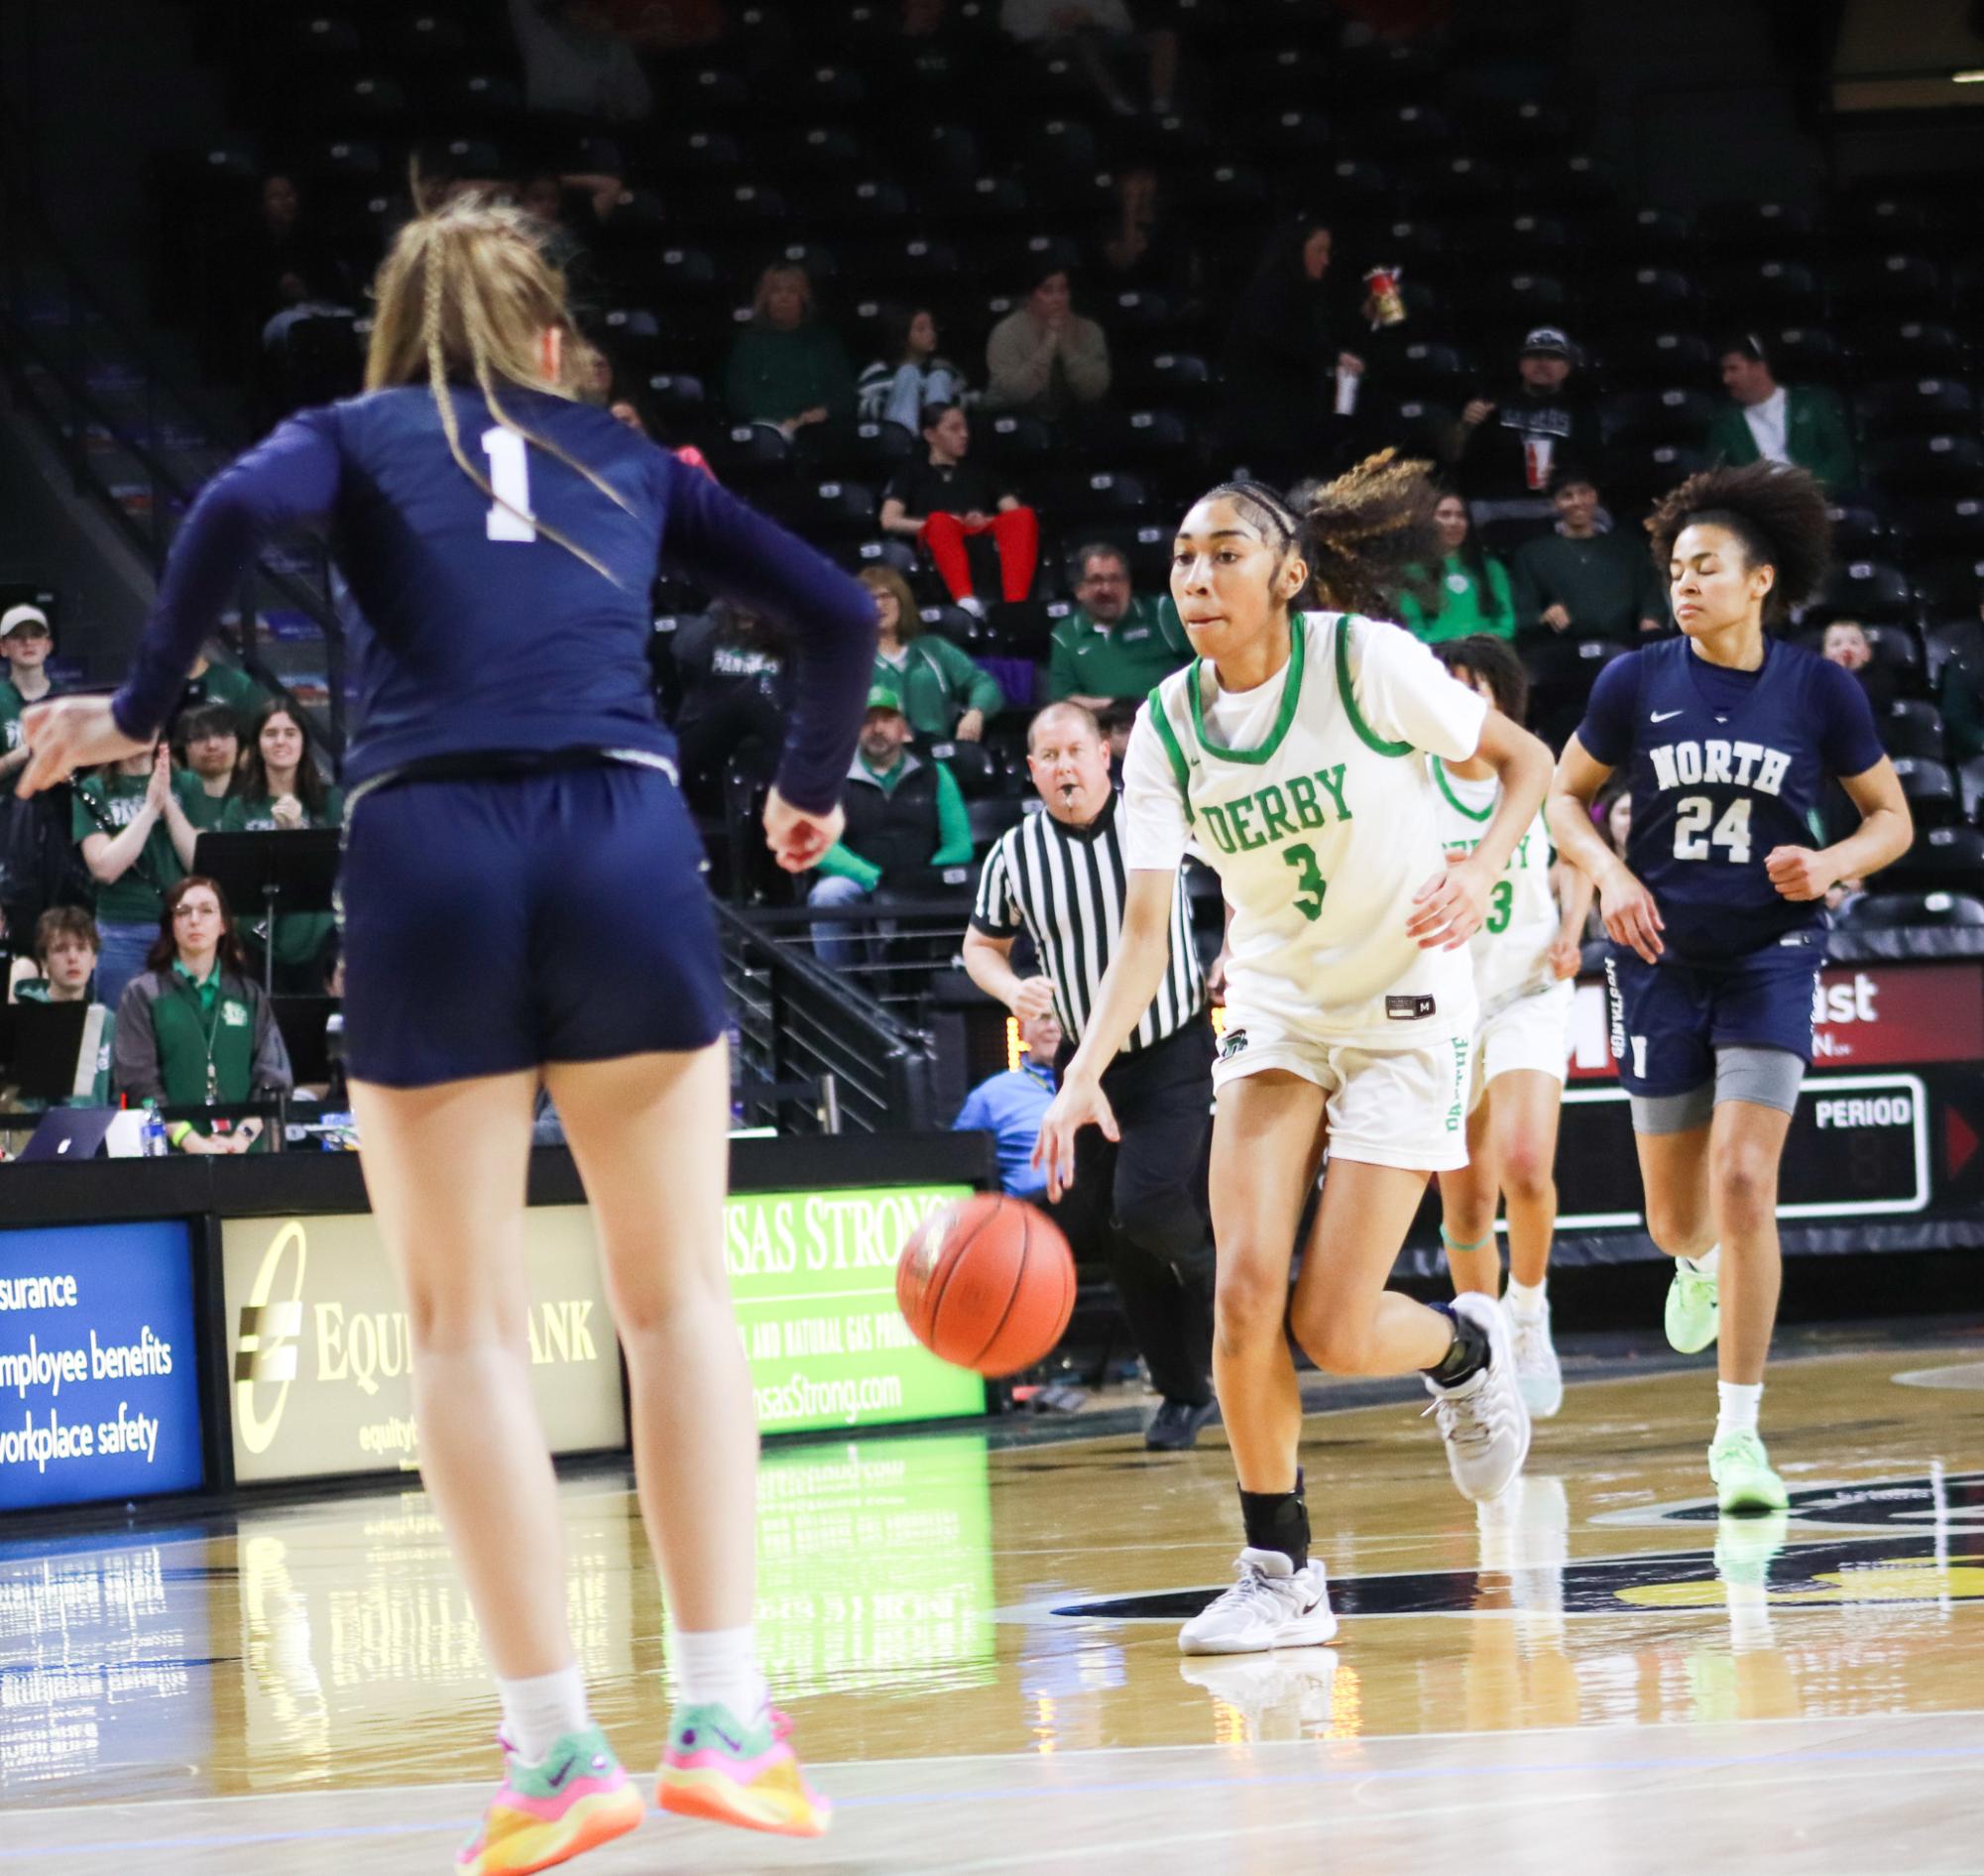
{"x": 493, "y": 924}
{"x": 1669, "y": 1020}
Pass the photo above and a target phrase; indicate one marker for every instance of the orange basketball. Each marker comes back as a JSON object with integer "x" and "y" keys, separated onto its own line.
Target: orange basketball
{"x": 987, "y": 1283}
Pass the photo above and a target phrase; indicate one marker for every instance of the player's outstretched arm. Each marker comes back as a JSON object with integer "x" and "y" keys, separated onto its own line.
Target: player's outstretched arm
{"x": 1134, "y": 977}
{"x": 1628, "y": 908}
{"x": 1448, "y": 908}
{"x": 1886, "y": 832}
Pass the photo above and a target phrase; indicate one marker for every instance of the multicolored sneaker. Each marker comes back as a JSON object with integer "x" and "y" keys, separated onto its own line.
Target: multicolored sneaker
{"x": 1694, "y": 1309}
{"x": 573, "y": 1799}
{"x": 1744, "y": 1481}
{"x": 730, "y": 1771}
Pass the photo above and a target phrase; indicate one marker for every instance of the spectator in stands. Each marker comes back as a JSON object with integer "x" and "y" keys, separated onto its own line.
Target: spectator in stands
{"x": 909, "y": 377}
{"x": 943, "y": 500}
{"x": 279, "y": 789}
{"x": 1284, "y": 349}
{"x": 542, "y": 194}
{"x": 25, "y": 643}
{"x": 735, "y": 675}
{"x": 194, "y": 1029}
{"x": 946, "y": 694}
{"x": 1847, "y": 645}
{"x": 130, "y": 820}
{"x": 1102, "y": 38}
{"x": 1510, "y": 442}
{"x": 575, "y": 64}
{"x": 1578, "y": 580}
{"x": 1117, "y": 645}
{"x": 208, "y": 739}
{"x": 1467, "y": 593}
{"x": 1010, "y": 1106}
{"x": 65, "y": 946}
{"x": 1044, "y": 359}
{"x": 1769, "y": 421}
{"x": 905, "y": 822}
{"x": 1139, "y": 252}
{"x": 285, "y": 259}
{"x": 788, "y": 368}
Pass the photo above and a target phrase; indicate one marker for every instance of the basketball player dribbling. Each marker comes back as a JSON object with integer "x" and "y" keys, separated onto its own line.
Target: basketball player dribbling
{"x": 1289, "y": 755}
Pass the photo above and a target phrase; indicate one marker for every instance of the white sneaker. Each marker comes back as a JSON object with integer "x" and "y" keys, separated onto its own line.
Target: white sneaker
{"x": 1283, "y": 1697}
{"x": 1272, "y": 1605}
{"x": 1483, "y": 1420}
{"x": 1538, "y": 1373}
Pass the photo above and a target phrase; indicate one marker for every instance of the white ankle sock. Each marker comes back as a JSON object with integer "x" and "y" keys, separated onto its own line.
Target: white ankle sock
{"x": 718, "y": 1664}
{"x": 1526, "y": 1299}
{"x": 539, "y": 1711}
{"x": 1708, "y": 1264}
{"x": 1739, "y": 1403}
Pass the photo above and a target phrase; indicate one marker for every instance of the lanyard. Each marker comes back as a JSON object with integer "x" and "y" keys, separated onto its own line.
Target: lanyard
{"x": 208, "y": 1038}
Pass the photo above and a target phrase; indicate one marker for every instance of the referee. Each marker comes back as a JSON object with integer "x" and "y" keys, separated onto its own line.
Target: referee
{"x": 1061, "y": 875}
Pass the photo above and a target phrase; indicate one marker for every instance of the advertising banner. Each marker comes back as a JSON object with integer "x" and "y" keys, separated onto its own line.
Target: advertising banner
{"x": 319, "y": 1351}
{"x": 99, "y": 1386}
{"x": 814, "y": 1278}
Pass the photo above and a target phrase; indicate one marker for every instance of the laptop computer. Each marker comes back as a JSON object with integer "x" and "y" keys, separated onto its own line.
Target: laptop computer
{"x": 70, "y": 1134}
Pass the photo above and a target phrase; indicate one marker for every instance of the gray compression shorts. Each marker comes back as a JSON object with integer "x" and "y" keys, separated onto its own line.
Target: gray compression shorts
{"x": 1768, "y": 1077}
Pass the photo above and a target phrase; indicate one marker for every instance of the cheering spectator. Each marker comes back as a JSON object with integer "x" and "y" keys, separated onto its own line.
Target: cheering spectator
{"x": 193, "y": 1028}
{"x": 788, "y": 368}
{"x": 575, "y": 64}
{"x": 1045, "y": 359}
{"x": 735, "y": 674}
{"x": 279, "y": 789}
{"x": 1578, "y": 580}
{"x": 1116, "y": 643}
{"x": 905, "y": 822}
{"x": 1009, "y": 1106}
{"x": 1284, "y": 350}
{"x": 210, "y": 682}
{"x": 1139, "y": 252}
{"x": 943, "y": 500}
{"x": 1470, "y": 592}
{"x": 899, "y": 386}
{"x": 208, "y": 739}
{"x": 130, "y": 820}
{"x": 1104, "y": 38}
{"x": 25, "y": 643}
{"x": 944, "y": 694}
{"x": 65, "y": 945}
{"x": 1772, "y": 423}
{"x": 1846, "y": 645}
{"x": 1507, "y": 446}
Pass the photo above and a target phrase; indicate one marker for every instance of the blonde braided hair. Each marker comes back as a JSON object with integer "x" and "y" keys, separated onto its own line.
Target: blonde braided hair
{"x": 465, "y": 288}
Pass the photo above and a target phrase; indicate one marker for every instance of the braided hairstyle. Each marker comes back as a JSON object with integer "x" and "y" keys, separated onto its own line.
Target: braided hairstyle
{"x": 1777, "y": 513}
{"x": 1363, "y": 536}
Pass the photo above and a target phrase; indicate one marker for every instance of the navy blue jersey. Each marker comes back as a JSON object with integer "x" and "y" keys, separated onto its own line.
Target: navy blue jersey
{"x": 1726, "y": 765}
{"x": 477, "y": 631}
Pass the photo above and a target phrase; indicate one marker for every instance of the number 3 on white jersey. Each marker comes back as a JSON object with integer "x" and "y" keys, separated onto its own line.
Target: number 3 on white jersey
{"x": 1732, "y": 831}
{"x": 509, "y": 517}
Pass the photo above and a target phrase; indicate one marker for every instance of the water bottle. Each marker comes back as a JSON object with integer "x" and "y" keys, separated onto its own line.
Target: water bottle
{"x": 157, "y": 1146}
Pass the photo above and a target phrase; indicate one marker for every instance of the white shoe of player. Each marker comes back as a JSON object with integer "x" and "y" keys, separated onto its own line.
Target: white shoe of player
{"x": 1282, "y": 1696}
{"x": 1539, "y": 1374}
{"x": 1483, "y": 1420}
{"x": 1271, "y": 1604}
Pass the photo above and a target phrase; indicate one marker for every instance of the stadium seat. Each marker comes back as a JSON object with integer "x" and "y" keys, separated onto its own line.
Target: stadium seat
{"x": 1914, "y": 727}
{"x": 1179, "y": 379}
{"x": 1951, "y": 464}
{"x": 1904, "y": 911}
{"x": 990, "y": 816}
{"x": 1740, "y": 228}
{"x": 1658, "y": 357}
{"x": 1950, "y": 584}
{"x": 1883, "y": 345}
{"x": 1915, "y": 406}
{"x": 1651, "y": 294}
{"x": 1456, "y": 186}
{"x": 1642, "y": 237}
{"x": 1132, "y": 438}
{"x": 882, "y": 551}
{"x": 1970, "y": 785}
{"x": 1866, "y": 589}
{"x": 1860, "y": 529}
{"x": 1012, "y": 442}
{"x": 1905, "y": 282}
{"x": 1961, "y": 640}
{"x": 1932, "y": 791}
{"x": 1943, "y": 859}
{"x": 1671, "y": 416}
{"x": 1940, "y": 522}
{"x": 1766, "y": 290}
{"x": 972, "y": 766}
{"x": 1807, "y": 354}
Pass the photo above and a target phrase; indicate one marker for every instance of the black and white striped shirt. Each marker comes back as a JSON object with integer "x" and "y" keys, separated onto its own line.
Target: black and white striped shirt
{"x": 1066, "y": 885}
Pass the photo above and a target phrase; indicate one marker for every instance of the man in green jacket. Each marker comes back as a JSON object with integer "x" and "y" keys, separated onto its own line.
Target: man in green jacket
{"x": 1114, "y": 645}
{"x": 906, "y": 823}
{"x": 1767, "y": 421}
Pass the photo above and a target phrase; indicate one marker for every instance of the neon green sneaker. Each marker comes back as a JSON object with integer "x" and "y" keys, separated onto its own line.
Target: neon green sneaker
{"x": 1743, "y": 1477}
{"x": 1693, "y": 1310}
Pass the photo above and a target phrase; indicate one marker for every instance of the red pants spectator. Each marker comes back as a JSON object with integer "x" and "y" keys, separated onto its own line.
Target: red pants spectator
{"x": 1016, "y": 533}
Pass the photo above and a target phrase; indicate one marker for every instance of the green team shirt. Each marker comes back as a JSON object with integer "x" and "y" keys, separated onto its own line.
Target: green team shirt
{"x": 225, "y": 684}
{"x": 300, "y": 937}
{"x": 138, "y": 896}
{"x": 205, "y": 811}
{"x": 1128, "y": 659}
{"x": 13, "y": 706}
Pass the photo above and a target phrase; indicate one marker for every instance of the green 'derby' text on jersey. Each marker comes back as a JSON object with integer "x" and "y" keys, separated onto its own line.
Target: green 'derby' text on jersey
{"x": 1321, "y": 828}
{"x": 1510, "y": 951}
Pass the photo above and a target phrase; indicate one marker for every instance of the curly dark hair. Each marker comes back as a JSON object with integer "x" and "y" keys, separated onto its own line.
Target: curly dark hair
{"x": 1779, "y": 515}
{"x": 1365, "y": 535}
{"x": 1482, "y": 655}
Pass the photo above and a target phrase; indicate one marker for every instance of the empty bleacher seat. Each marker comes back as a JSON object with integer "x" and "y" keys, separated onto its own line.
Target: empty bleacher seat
{"x": 1907, "y": 911}
{"x": 1913, "y": 728}
{"x": 1867, "y": 589}
{"x": 1951, "y": 463}
{"x": 1931, "y": 787}
{"x": 1945, "y": 859}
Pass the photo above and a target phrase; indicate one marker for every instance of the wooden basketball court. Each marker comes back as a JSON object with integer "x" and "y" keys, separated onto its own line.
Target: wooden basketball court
{"x": 978, "y": 1648}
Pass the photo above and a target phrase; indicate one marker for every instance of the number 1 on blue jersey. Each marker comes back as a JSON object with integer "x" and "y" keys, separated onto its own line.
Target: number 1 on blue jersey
{"x": 509, "y": 517}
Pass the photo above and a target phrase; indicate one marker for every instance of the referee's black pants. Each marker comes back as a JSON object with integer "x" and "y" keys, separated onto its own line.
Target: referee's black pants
{"x": 1143, "y": 1203}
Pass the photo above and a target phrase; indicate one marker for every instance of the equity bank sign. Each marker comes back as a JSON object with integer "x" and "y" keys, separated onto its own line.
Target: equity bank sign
{"x": 320, "y": 1352}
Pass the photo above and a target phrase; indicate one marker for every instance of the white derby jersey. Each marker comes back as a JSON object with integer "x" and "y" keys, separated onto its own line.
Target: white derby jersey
{"x": 1510, "y": 950}
{"x": 1310, "y": 797}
